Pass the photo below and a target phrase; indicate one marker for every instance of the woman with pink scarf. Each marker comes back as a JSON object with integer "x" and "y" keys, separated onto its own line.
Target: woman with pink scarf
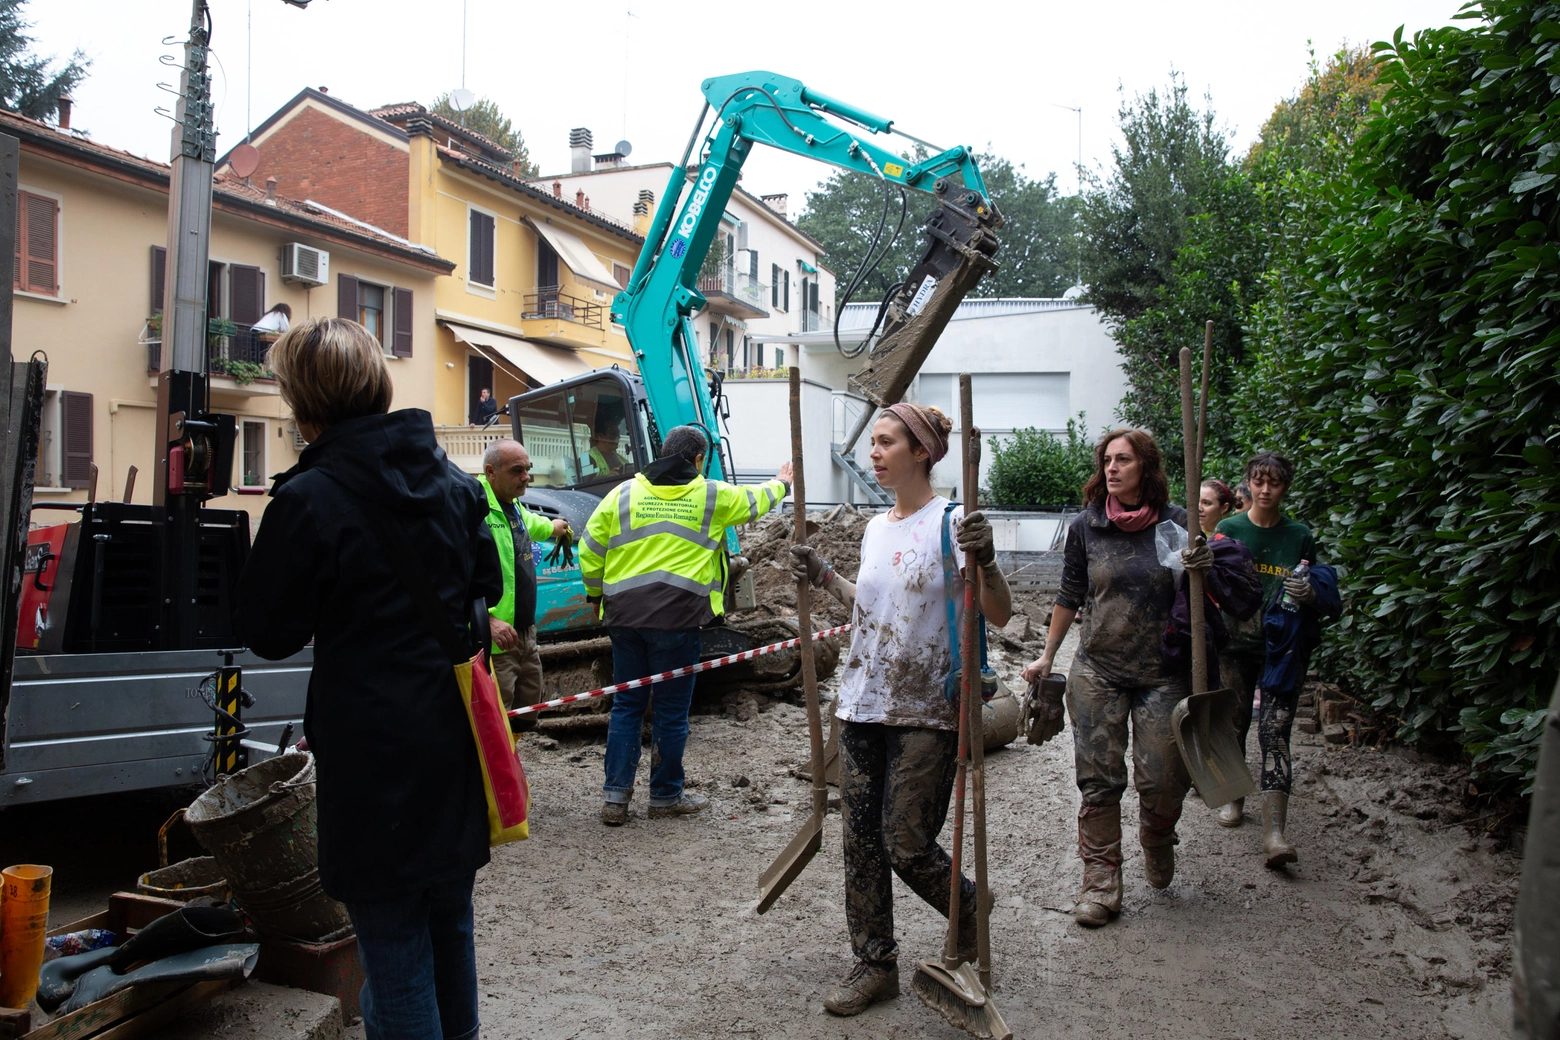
{"x": 1111, "y": 572}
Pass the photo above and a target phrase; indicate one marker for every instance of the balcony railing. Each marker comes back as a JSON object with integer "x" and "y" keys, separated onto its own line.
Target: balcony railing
{"x": 810, "y": 321}
{"x": 550, "y": 301}
{"x": 240, "y": 354}
{"x": 465, "y": 445}
{"x": 739, "y": 286}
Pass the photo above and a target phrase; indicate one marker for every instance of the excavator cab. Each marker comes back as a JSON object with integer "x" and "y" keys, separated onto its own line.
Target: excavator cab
{"x": 586, "y": 434}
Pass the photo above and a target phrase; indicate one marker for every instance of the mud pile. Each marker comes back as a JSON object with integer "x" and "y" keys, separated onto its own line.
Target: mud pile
{"x": 836, "y": 534}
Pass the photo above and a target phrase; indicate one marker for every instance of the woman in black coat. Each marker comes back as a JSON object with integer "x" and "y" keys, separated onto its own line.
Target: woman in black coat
{"x": 402, "y": 814}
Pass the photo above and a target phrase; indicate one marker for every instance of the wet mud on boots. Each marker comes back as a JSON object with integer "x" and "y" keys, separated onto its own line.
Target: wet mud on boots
{"x": 1156, "y": 833}
{"x": 1275, "y": 817}
{"x": 1232, "y": 814}
{"x": 1099, "y": 846}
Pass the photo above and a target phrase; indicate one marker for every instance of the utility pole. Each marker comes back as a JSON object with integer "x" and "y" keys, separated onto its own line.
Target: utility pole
{"x": 194, "y": 448}
{"x": 1078, "y": 174}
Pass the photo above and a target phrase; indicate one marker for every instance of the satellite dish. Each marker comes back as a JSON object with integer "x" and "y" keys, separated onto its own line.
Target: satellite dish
{"x": 623, "y": 148}
{"x": 244, "y": 160}
{"x": 462, "y": 99}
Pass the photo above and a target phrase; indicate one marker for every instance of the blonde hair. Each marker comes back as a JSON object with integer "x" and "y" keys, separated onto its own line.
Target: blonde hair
{"x": 330, "y": 370}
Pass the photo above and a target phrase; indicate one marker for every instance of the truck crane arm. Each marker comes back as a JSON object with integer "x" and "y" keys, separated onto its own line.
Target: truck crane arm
{"x": 751, "y": 108}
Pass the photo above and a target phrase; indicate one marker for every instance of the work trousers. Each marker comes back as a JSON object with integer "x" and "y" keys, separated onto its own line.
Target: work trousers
{"x": 1099, "y": 711}
{"x": 636, "y": 653}
{"x": 419, "y": 964}
{"x": 895, "y": 785}
{"x": 519, "y": 675}
{"x": 1275, "y": 718}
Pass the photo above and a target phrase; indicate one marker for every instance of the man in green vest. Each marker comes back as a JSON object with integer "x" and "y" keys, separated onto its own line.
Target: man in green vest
{"x": 517, "y": 664}
{"x": 653, "y": 557}
{"x": 604, "y": 454}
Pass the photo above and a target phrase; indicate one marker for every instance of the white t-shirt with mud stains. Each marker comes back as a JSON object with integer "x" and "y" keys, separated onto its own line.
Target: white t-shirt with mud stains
{"x": 899, "y": 650}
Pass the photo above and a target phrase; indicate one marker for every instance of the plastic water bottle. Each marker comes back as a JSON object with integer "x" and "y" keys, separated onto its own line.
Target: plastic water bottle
{"x": 1287, "y": 601}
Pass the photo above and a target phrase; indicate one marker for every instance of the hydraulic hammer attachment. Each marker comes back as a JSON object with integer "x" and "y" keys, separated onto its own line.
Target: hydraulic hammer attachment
{"x": 961, "y": 243}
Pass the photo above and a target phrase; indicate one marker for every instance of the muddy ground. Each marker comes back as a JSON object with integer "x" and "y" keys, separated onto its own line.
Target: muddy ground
{"x": 1393, "y": 924}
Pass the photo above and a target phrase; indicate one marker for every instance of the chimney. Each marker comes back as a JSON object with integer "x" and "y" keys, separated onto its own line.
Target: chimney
{"x": 579, "y": 198}
{"x": 777, "y": 203}
{"x": 579, "y": 150}
{"x": 557, "y": 189}
{"x": 324, "y": 89}
{"x": 644, "y": 210}
{"x": 270, "y": 191}
{"x": 64, "y": 112}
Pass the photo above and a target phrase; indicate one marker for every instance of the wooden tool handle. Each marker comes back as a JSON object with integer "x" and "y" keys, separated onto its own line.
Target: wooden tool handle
{"x": 820, "y": 789}
{"x": 1194, "y": 535}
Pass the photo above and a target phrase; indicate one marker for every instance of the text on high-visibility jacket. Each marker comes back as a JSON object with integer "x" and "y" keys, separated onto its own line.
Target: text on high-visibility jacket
{"x": 655, "y": 553}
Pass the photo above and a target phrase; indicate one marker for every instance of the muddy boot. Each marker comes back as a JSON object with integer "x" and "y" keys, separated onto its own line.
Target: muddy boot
{"x": 1156, "y": 833}
{"x": 868, "y": 983}
{"x": 1275, "y": 814}
{"x": 1232, "y": 814}
{"x": 687, "y": 805}
{"x": 1099, "y": 846}
{"x": 614, "y": 814}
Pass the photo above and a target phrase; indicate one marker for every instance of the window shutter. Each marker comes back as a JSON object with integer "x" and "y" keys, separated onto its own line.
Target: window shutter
{"x": 753, "y": 264}
{"x": 76, "y": 438}
{"x": 159, "y": 277}
{"x": 812, "y": 302}
{"x": 774, "y": 285}
{"x": 401, "y": 340}
{"x": 347, "y": 298}
{"x": 481, "y": 248}
{"x": 787, "y": 306}
{"x": 37, "y": 270}
{"x": 246, "y": 295}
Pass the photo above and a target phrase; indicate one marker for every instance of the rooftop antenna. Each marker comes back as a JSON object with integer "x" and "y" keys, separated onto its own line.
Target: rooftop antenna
{"x": 463, "y": 5}
{"x": 249, "y": 72}
{"x": 627, "y": 49}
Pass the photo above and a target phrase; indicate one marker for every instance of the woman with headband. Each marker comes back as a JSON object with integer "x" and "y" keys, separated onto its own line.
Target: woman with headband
{"x": 898, "y": 711}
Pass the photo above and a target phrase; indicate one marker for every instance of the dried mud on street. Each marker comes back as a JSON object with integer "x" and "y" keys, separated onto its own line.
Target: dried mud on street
{"x": 1395, "y": 922}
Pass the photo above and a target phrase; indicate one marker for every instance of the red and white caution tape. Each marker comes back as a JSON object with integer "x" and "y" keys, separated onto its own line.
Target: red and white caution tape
{"x": 702, "y": 666}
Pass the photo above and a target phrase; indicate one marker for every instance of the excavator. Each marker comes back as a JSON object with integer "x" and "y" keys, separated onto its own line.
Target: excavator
{"x": 561, "y": 424}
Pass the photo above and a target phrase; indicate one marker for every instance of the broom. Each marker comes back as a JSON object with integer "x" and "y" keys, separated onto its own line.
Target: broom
{"x": 954, "y": 988}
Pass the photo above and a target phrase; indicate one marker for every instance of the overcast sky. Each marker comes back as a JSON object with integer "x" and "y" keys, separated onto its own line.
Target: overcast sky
{"x": 996, "y": 80}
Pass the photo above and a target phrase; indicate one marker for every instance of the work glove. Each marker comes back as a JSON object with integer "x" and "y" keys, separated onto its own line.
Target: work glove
{"x": 975, "y": 540}
{"x": 1300, "y": 590}
{"x": 1044, "y": 709}
{"x": 562, "y": 554}
{"x": 1199, "y": 559}
{"x": 806, "y": 563}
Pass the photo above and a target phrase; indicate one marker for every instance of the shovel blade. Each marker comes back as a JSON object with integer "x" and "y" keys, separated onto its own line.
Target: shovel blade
{"x": 790, "y": 863}
{"x": 1204, "y": 727}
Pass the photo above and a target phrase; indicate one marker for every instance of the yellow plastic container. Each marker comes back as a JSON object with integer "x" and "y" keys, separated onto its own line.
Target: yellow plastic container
{"x": 24, "y": 920}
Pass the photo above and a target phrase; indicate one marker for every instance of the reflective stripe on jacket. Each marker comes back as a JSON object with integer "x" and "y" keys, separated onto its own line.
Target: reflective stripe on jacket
{"x": 532, "y": 528}
{"x": 656, "y": 553}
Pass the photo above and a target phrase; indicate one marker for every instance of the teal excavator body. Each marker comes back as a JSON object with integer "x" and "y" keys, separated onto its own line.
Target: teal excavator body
{"x": 672, "y": 387}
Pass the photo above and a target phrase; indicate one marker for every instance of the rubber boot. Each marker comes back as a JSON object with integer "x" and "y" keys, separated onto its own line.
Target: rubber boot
{"x": 186, "y": 929}
{"x": 1233, "y": 814}
{"x": 1157, "y": 835}
{"x": 1099, "y": 846}
{"x": 1275, "y": 814}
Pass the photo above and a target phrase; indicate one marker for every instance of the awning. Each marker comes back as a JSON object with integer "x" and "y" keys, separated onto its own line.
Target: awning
{"x": 534, "y": 362}
{"x": 808, "y": 268}
{"x": 573, "y": 251}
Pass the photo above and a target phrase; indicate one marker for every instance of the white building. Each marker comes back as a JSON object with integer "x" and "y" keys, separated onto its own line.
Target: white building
{"x": 1034, "y": 362}
{"x": 768, "y": 283}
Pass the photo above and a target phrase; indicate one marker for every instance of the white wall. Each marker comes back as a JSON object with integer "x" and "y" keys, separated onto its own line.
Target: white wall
{"x": 760, "y": 435}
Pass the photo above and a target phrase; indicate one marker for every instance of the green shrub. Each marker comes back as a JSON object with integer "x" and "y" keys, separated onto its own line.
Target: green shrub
{"x": 1423, "y": 390}
{"x": 1035, "y": 468}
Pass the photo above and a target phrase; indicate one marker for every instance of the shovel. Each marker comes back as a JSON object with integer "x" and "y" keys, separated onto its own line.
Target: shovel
{"x": 809, "y": 839}
{"x": 954, "y": 988}
{"x": 1204, "y": 723}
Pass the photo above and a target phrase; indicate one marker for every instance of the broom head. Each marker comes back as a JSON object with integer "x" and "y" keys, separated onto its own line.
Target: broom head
{"x": 958, "y": 996}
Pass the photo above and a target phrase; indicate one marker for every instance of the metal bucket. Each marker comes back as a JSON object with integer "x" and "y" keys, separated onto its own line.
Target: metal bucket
{"x": 188, "y": 879}
{"x": 260, "y": 826}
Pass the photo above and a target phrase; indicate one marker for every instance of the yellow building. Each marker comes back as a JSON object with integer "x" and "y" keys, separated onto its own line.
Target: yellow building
{"x": 91, "y": 244}
{"x": 534, "y": 272}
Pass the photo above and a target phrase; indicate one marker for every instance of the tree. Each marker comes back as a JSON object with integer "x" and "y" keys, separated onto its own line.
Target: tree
{"x": 486, "y": 118}
{"x": 1172, "y": 240}
{"x": 27, "y": 85}
{"x": 1170, "y": 162}
{"x": 1037, "y": 256}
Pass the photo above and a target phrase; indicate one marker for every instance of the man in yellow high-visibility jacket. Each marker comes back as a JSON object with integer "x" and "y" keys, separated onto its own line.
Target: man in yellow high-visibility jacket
{"x": 653, "y": 556}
